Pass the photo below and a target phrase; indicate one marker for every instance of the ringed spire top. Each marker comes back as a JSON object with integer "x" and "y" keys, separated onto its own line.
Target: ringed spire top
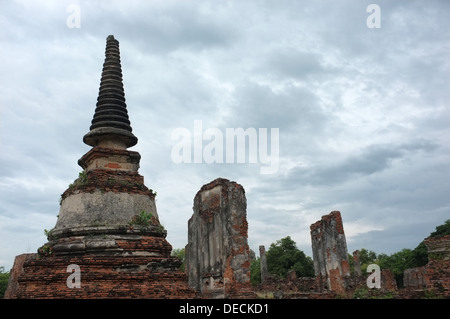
{"x": 110, "y": 124}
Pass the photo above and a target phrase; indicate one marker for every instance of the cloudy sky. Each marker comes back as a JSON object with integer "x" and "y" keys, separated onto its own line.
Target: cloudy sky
{"x": 363, "y": 113}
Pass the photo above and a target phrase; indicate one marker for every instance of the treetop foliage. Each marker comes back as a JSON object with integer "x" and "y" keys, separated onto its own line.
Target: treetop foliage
{"x": 283, "y": 255}
{"x": 441, "y": 230}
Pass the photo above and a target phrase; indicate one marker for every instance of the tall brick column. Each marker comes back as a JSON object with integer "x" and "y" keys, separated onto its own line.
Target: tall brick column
{"x": 329, "y": 249}
{"x": 357, "y": 263}
{"x": 217, "y": 259}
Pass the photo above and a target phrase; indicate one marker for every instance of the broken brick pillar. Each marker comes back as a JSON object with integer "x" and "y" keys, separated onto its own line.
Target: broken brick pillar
{"x": 217, "y": 254}
{"x": 329, "y": 249}
{"x": 263, "y": 263}
{"x": 357, "y": 263}
{"x": 388, "y": 280}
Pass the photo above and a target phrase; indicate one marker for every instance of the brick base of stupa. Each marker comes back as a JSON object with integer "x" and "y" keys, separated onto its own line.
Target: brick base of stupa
{"x": 100, "y": 277}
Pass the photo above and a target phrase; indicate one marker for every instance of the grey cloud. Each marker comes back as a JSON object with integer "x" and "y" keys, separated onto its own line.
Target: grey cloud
{"x": 164, "y": 27}
{"x": 260, "y": 106}
{"x": 294, "y": 63}
{"x": 372, "y": 159}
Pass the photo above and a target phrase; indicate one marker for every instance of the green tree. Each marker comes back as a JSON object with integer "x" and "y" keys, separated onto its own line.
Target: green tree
{"x": 283, "y": 255}
{"x": 255, "y": 272}
{"x": 397, "y": 262}
{"x": 442, "y": 230}
{"x": 180, "y": 253}
{"x": 366, "y": 257}
{"x": 4, "y": 276}
{"x": 420, "y": 255}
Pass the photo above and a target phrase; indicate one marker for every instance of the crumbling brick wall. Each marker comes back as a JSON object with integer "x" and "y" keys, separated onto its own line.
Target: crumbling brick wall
{"x": 415, "y": 278}
{"x": 217, "y": 253}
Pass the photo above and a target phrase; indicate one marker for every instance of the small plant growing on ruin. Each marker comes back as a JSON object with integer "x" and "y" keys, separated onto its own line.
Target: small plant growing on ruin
{"x": 45, "y": 251}
{"x": 81, "y": 180}
{"x": 153, "y": 192}
{"x": 431, "y": 294}
{"x": 143, "y": 219}
{"x": 82, "y": 177}
{"x": 48, "y": 234}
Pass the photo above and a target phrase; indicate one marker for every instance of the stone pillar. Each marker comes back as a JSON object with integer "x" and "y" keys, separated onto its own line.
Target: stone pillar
{"x": 329, "y": 249}
{"x": 218, "y": 262}
{"x": 357, "y": 263}
{"x": 263, "y": 263}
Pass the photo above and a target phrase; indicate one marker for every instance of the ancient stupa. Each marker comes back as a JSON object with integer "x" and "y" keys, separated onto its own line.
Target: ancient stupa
{"x": 108, "y": 231}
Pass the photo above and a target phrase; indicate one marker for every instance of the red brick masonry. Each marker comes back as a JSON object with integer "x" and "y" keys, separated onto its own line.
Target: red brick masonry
{"x": 101, "y": 277}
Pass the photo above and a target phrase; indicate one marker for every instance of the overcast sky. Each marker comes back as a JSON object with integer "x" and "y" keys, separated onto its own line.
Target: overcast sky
{"x": 363, "y": 113}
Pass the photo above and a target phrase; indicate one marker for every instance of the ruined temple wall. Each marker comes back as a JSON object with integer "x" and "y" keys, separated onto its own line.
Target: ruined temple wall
{"x": 414, "y": 278}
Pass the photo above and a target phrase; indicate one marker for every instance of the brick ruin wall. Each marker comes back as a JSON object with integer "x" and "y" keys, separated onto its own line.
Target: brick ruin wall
{"x": 433, "y": 278}
{"x": 414, "y": 278}
{"x": 332, "y": 270}
{"x": 35, "y": 276}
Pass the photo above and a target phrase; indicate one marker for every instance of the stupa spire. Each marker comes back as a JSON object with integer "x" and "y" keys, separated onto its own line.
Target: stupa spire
{"x": 110, "y": 124}
{"x": 108, "y": 225}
